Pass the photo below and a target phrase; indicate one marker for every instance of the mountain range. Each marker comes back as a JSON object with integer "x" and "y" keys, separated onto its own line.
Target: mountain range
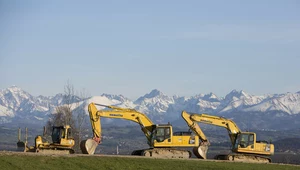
{"x": 270, "y": 111}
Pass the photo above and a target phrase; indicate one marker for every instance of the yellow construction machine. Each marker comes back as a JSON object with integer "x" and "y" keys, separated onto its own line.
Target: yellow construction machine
{"x": 244, "y": 144}
{"x": 163, "y": 142}
{"x": 62, "y": 142}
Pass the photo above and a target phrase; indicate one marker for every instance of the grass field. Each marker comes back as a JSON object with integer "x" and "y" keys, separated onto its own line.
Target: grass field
{"x": 34, "y": 161}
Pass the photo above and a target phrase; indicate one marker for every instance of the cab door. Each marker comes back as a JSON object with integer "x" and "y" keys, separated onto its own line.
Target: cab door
{"x": 162, "y": 137}
{"x": 245, "y": 142}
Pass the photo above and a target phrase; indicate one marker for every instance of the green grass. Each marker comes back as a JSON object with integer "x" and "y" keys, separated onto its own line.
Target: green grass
{"x": 34, "y": 162}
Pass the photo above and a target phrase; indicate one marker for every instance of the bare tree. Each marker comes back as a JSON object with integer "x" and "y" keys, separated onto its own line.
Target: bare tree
{"x": 80, "y": 114}
{"x": 65, "y": 115}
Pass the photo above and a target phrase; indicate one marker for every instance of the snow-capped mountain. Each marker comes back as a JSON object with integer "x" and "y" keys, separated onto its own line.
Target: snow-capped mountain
{"x": 154, "y": 102}
{"x": 17, "y": 104}
{"x": 13, "y": 97}
{"x": 288, "y": 103}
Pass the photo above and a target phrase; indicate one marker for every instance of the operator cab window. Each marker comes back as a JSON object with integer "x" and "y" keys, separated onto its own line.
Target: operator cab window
{"x": 70, "y": 134}
{"x": 62, "y": 132}
{"x": 246, "y": 140}
{"x": 162, "y": 133}
{"x": 251, "y": 139}
{"x": 167, "y": 130}
{"x": 55, "y": 135}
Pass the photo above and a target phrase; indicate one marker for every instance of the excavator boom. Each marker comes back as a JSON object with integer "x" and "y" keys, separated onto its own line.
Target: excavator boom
{"x": 228, "y": 124}
{"x": 201, "y": 151}
{"x": 89, "y": 146}
{"x": 119, "y": 113}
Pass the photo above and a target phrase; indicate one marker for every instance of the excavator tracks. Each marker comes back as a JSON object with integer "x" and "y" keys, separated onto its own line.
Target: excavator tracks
{"x": 56, "y": 151}
{"x": 244, "y": 158}
{"x": 163, "y": 153}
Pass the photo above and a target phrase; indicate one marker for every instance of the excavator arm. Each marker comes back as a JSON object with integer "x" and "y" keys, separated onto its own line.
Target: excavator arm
{"x": 192, "y": 121}
{"x": 193, "y": 126}
{"x": 200, "y": 151}
{"x": 228, "y": 124}
{"x": 89, "y": 146}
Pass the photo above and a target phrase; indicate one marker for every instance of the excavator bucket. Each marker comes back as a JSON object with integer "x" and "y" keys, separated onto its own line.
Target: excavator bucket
{"x": 88, "y": 146}
{"x": 201, "y": 151}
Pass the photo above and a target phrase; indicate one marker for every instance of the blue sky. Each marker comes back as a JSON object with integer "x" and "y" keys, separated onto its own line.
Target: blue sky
{"x": 131, "y": 47}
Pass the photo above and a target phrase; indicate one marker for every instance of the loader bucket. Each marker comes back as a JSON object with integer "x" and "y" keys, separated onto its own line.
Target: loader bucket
{"x": 201, "y": 151}
{"x": 88, "y": 146}
{"x": 21, "y": 146}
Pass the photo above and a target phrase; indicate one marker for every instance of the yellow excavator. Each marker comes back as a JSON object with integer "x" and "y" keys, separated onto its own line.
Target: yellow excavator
{"x": 244, "y": 145}
{"x": 62, "y": 142}
{"x": 163, "y": 142}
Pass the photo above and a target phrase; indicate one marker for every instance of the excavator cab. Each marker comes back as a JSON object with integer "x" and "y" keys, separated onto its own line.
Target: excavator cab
{"x": 246, "y": 143}
{"x": 244, "y": 140}
{"x": 62, "y": 135}
{"x": 161, "y": 133}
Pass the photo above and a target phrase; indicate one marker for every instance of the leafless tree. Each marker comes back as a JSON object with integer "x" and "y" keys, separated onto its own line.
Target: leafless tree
{"x": 81, "y": 114}
{"x": 65, "y": 115}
